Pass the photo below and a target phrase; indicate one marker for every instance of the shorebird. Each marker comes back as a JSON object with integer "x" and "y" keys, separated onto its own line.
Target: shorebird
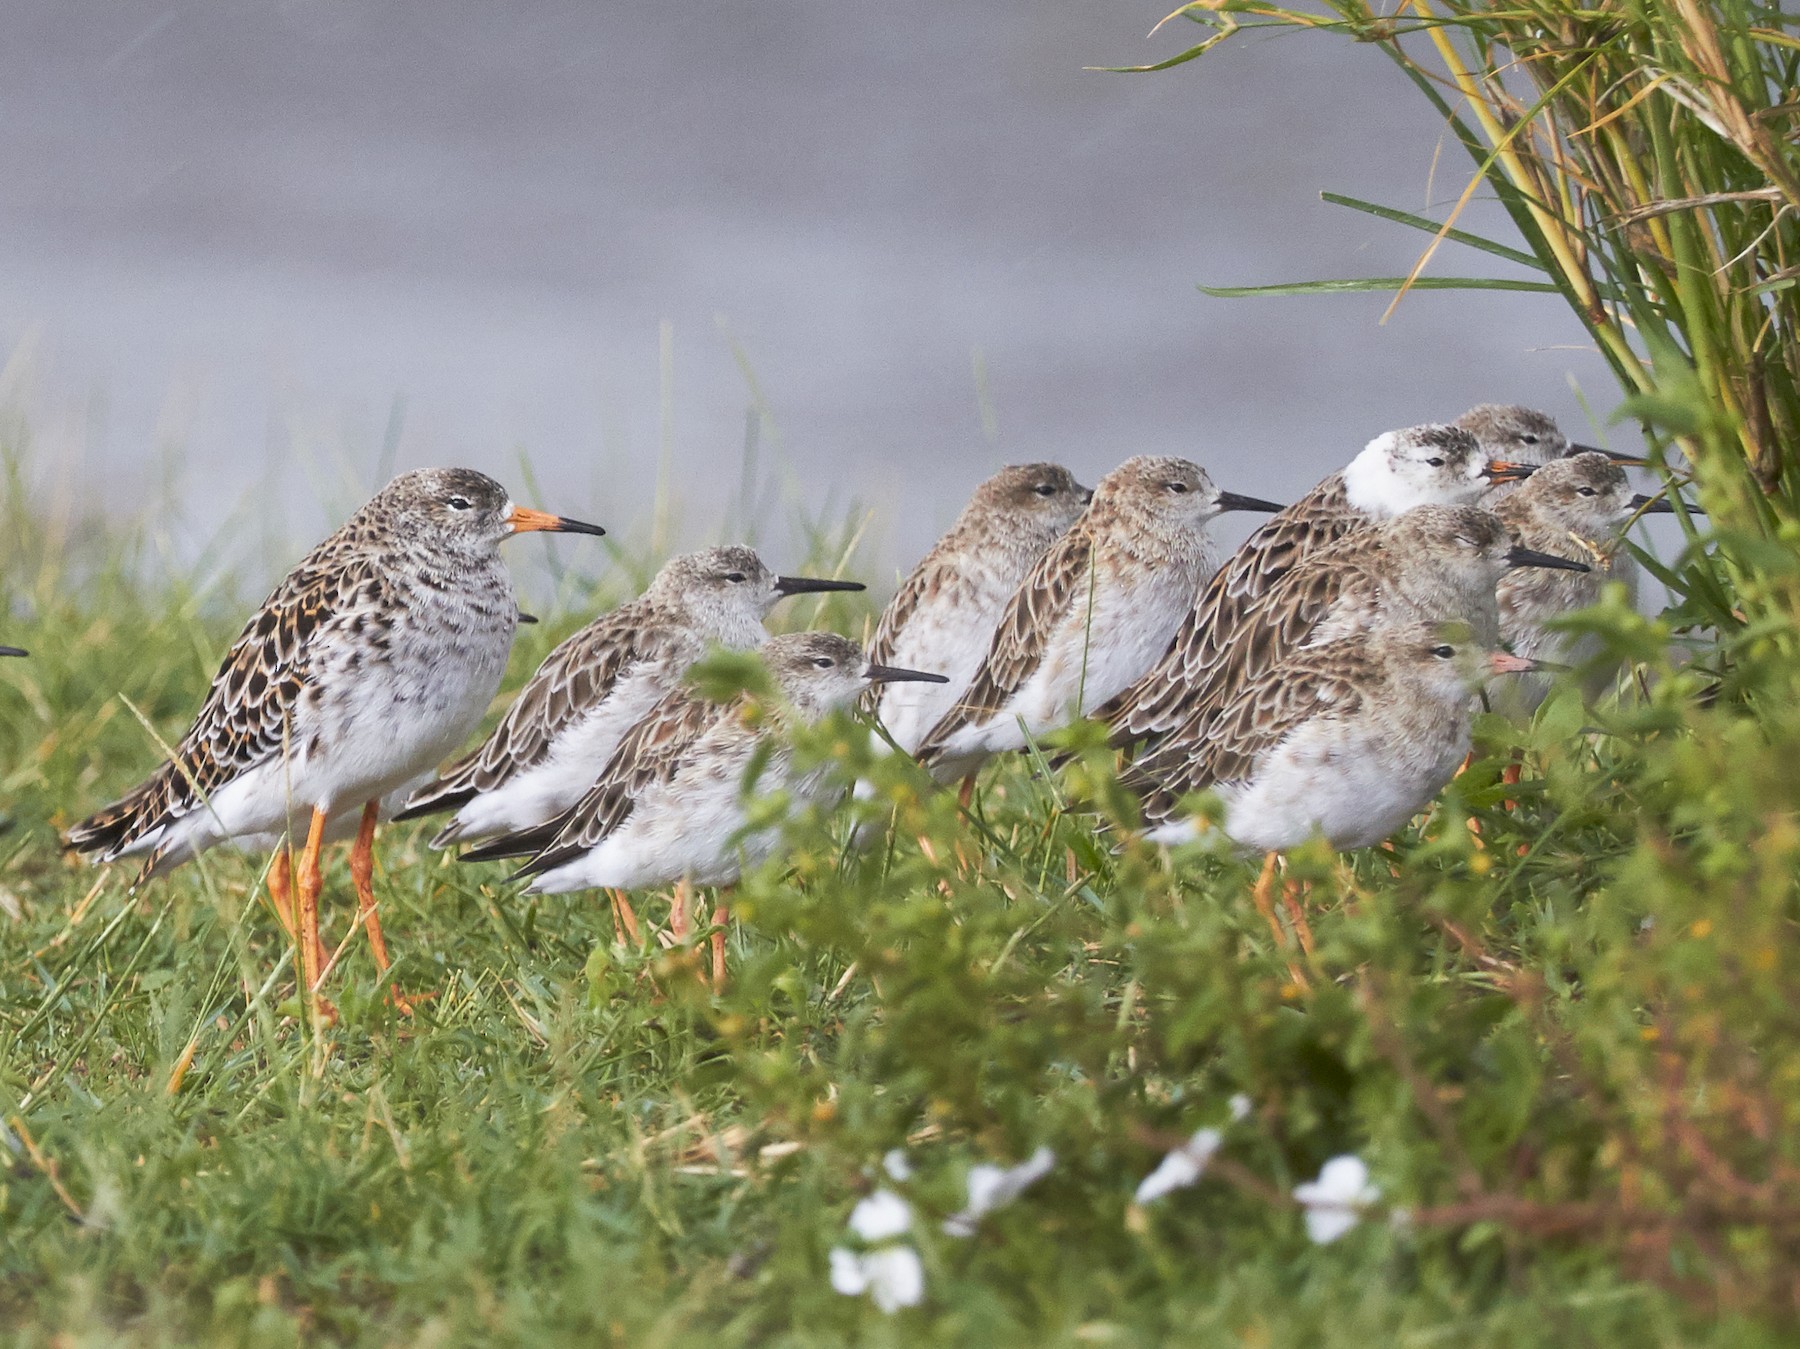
{"x": 1438, "y": 564}
{"x": 1348, "y": 739}
{"x": 944, "y": 613}
{"x": 1524, "y": 436}
{"x": 1092, "y": 615}
{"x": 572, "y": 714}
{"x": 670, "y": 806}
{"x": 1395, "y": 472}
{"x": 371, "y": 661}
{"x": 1576, "y": 505}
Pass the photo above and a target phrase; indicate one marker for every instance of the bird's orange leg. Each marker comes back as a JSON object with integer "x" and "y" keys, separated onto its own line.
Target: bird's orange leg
{"x": 362, "y": 875}
{"x": 680, "y": 923}
{"x": 1265, "y": 882}
{"x": 309, "y": 882}
{"x": 966, "y": 792}
{"x": 624, "y": 916}
{"x": 281, "y": 890}
{"x": 1291, "y": 893}
{"x": 721, "y": 917}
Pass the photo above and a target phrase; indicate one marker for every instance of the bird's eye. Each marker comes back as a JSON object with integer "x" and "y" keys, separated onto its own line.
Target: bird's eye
{"x": 1585, "y": 492}
{"x": 1176, "y": 486}
{"x": 460, "y": 503}
{"x": 1045, "y": 489}
{"x": 1443, "y": 652}
{"x": 1435, "y": 463}
{"x": 735, "y": 577}
{"x": 823, "y": 662}
{"x": 1528, "y": 438}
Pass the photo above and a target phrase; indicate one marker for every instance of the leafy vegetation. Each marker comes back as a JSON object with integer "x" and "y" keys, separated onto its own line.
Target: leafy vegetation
{"x": 1556, "y": 1019}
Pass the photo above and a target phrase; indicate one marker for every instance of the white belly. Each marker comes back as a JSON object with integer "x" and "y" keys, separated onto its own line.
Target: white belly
{"x": 1087, "y": 662}
{"x": 574, "y": 763}
{"x": 368, "y": 734}
{"x": 947, "y": 640}
{"x": 1341, "y": 782}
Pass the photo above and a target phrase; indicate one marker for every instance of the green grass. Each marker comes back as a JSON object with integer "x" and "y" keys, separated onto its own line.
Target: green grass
{"x": 1563, "y": 1033}
{"x": 576, "y": 1142}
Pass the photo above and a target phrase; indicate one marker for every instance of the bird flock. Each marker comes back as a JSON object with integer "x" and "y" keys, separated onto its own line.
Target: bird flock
{"x": 1322, "y": 681}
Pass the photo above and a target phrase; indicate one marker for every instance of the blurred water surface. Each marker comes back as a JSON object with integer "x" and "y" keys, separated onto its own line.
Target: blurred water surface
{"x": 276, "y": 248}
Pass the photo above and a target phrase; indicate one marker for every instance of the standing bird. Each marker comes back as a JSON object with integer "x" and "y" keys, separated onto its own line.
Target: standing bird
{"x": 371, "y": 661}
{"x": 1577, "y": 504}
{"x": 1438, "y": 564}
{"x": 572, "y": 714}
{"x": 1092, "y": 615}
{"x": 1397, "y": 471}
{"x": 944, "y": 613}
{"x": 670, "y": 806}
{"x": 1349, "y": 738}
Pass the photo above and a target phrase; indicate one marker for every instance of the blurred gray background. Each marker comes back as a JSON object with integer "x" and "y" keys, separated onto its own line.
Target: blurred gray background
{"x": 257, "y": 252}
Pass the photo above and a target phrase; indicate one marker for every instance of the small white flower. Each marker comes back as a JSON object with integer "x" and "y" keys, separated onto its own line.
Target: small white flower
{"x": 1240, "y": 1106}
{"x": 1334, "y": 1202}
{"x": 992, "y": 1187}
{"x": 897, "y": 1167}
{"x": 882, "y": 1215}
{"x": 1181, "y": 1168}
{"x": 847, "y": 1276}
{"x": 893, "y": 1277}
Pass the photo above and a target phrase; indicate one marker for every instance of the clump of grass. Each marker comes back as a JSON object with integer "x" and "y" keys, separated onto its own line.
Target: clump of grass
{"x": 1644, "y": 151}
{"x": 575, "y": 1140}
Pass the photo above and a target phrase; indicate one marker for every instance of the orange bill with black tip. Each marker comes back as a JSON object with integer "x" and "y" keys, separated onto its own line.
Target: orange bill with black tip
{"x": 524, "y": 520}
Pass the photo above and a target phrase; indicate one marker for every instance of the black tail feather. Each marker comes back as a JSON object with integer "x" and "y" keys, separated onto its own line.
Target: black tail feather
{"x": 524, "y": 843}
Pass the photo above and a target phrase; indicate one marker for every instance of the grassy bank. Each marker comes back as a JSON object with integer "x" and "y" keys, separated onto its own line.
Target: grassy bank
{"x": 1558, "y": 1021}
{"x": 1563, "y": 1045}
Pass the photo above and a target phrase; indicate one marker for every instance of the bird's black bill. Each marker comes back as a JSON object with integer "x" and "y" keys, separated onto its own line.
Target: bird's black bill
{"x": 1530, "y": 557}
{"x": 1234, "y": 501}
{"x": 893, "y": 674}
{"x": 1643, "y": 505}
{"x": 13, "y": 651}
{"x": 527, "y": 618}
{"x": 809, "y": 585}
{"x": 1626, "y": 460}
{"x": 1505, "y": 470}
{"x": 564, "y": 525}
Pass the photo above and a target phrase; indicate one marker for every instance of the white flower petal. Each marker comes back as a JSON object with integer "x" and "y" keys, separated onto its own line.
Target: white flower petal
{"x": 1176, "y": 1171}
{"x": 1181, "y": 1167}
{"x": 896, "y": 1277}
{"x": 991, "y": 1187}
{"x": 1334, "y": 1202}
{"x": 895, "y": 1164}
{"x": 847, "y": 1274}
{"x": 1326, "y": 1225}
{"x": 986, "y": 1182}
{"x": 882, "y": 1215}
{"x": 1240, "y": 1106}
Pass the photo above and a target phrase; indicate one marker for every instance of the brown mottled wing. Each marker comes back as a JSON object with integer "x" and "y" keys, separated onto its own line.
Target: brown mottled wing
{"x": 1020, "y": 640}
{"x": 1311, "y": 683}
{"x": 247, "y": 717}
{"x": 900, "y": 610}
{"x": 653, "y": 752}
{"x": 1319, "y": 591}
{"x": 574, "y": 679}
{"x": 1157, "y": 703}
